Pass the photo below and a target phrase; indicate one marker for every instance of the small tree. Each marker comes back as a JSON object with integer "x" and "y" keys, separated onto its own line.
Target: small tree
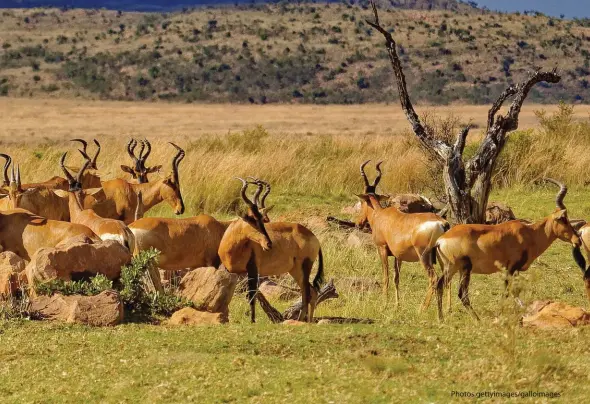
{"x": 467, "y": 183}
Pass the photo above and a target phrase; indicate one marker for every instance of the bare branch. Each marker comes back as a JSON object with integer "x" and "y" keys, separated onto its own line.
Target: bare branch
{"x": 511, "y": 119}
{"x": 509, "y": 92}
{"x": 436, "y": 147}
{"x": 461, "y": 139}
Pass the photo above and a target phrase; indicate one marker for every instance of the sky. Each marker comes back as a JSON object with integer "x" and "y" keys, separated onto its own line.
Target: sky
{"x": 571, "y": 8}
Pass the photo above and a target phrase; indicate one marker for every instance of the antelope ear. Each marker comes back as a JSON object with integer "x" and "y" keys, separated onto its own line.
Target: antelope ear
{"x": 266, "y": 210}
{"x": 154, "y": 169}
{"x": 61, "y": 193}
{"x": 363, "y": 197}
{"x": 2, "y": 196}
{"x": 168, "y": 181}
{"x": 383, "y": 198}
{"x": 128, "y": 170}
{"x": 560, "y": 214}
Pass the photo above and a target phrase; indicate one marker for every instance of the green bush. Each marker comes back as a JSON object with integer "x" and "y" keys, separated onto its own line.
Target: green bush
{"x": 96, "y": 285}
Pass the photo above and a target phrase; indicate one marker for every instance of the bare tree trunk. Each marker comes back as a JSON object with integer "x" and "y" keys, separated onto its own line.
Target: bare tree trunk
{"x": 467, "y": 184}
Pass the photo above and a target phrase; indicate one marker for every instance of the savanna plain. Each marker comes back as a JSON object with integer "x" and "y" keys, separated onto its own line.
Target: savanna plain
{"x": 310, "y": 155}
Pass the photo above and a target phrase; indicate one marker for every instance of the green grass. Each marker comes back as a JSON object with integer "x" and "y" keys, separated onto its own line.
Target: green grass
{"x": 404, "y": 357}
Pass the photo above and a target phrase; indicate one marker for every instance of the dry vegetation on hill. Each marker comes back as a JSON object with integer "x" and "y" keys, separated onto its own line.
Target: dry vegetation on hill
{"x": 313, "y": 53}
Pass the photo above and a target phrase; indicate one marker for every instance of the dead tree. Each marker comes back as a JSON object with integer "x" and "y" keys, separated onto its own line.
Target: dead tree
{"x": 467, "y": 183}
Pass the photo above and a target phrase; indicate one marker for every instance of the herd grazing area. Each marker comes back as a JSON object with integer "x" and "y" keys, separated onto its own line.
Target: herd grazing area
{"x": 310, "y": 154}
{"x": 296, "y": 94}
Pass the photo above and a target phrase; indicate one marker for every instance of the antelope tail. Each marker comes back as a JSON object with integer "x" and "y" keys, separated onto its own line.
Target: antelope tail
{"x": 319, "y": 276}
{"x": 429, "y": 256}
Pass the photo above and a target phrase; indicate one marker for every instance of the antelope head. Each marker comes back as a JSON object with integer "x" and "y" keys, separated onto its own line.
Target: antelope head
{"x": 559, "y": 221}
{"x": 261, "y": 202}
{"x": 369, "y": 189}
{"x": 139, "y": 170}
{"x": 254, "y": 222}
{"x": 93, "y": 160}
{"x": 171, "y": 184}
{"x": 75, "y": 183}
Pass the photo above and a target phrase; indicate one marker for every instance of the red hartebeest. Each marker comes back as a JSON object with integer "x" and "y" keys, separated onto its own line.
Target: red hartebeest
{"x": 487, "y": 249}
{"x": 106, "y": 229}
{"x": 253, "y": 247}
{"x": 405, "y": 236}
{"x": 139, "y": 171}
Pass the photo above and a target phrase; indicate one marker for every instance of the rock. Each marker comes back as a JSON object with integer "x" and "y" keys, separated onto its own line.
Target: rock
{"x": 272, "y": 290}
{"x": 411, "y": 203}
{"x": 210, "y": 289}
{"x": 325, "y": 321}
{"x": 11, "y": 265}
{"x": 498, "y": 212}
{"x": 104, "y": 309}
{"x": 76, "y": 258}
{"x": 190, "y": 316}
{"x": 548, "y": 314}
{"x": 294, "y": 322}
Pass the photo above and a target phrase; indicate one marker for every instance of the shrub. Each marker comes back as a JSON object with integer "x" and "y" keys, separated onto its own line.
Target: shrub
{"x": 96, "y": 285}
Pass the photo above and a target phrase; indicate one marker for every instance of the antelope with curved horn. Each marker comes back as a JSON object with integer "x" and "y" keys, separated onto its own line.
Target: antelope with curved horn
{"x": 250, "y": 246}
{"x": 106, "y": 229}
{"x": 405, "y": 236}
{"x": 47, "y": 203}
{"x": 119, "y": 197}
{"x": 486, "y": 249}
{"x": 140, "y": 171}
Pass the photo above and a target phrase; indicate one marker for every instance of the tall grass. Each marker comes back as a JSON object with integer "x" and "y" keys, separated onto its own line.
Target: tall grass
{"x": 323, "y": 167}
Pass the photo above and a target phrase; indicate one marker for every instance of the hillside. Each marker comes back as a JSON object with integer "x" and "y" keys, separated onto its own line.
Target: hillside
{"x": 311, "y": 53}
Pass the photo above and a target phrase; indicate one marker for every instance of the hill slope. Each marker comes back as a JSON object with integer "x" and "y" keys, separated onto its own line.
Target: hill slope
{"x": 285, "y": 53}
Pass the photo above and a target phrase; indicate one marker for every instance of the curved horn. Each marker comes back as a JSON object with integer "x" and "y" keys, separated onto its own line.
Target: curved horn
{"x": 6, "y": 166}
{"x": 260, "y": 185}
{"x": 266, "y": 192}
{"x": 141, "y": 150}
{"x": 379, "y": 174}
{"x": 12, "y": 176}
{"x": 148, "y": 151}
{"x": 561, "y": 194}
{"x": 243, "y": 192}
{"x": 131, "y": 149}
{"x": 363, "y": 173}
{"x": 62, "y": 164}
{"x": 95, "y": 158}
{"x": 87, "y": 164}
{"x": 18, "y": 181}
{"x": 177, "y": 159}
{"x": 84, "y": 143}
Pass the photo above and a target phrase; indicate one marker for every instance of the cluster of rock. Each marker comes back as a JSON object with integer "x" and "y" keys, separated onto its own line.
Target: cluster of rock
{"x": 210, "y": 289}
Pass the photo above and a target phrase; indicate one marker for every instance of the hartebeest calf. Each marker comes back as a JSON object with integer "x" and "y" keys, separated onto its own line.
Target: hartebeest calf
{"x": 405, "y": 236}
{"x": 106, "y": 229}
{"x": 139, "y": 170}
{"x": 487, "y": 249}
{"x": 250, "y": 246}
{"x": 118, "y": 199}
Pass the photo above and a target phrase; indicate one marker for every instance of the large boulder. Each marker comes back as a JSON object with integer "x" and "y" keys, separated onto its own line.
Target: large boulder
{"x": 411, "y": 203}
{"x": 190, "y": 316}
{"x": 210, "y": 289}
{"x": 104, "y": 309}
{"x": 273, "y": 290}
{"x": 76, "y": 259}
{"x": 548, "y": 314}
{"x": 11, "y": 266}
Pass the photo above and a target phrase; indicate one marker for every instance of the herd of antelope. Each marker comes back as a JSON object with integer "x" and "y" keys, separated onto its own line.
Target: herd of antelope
{"x": 38, "y": 215}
